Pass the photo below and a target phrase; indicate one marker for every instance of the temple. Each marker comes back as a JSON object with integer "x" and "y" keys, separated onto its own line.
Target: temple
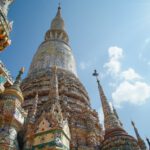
{"x": 55, "y": 51}
{"x": 50, "y": 108}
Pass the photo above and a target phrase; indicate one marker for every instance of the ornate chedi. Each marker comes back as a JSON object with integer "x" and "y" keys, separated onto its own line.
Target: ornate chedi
{"x": 86, "y": 132}
{"x": 115, "y": 138}
{"x": 5, "y": 25}
{"x": 141, "y": 143}
{"x": 11, "y": 115}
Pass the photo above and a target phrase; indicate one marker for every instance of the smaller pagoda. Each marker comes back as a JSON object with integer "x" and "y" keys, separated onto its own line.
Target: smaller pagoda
{"x": 12, "y": 115}
{"x": 115, "y": 138}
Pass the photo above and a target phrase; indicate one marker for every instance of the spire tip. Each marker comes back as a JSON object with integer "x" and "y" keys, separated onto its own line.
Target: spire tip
{"x": 95, "y": 73}
{"x": 59, "y": 5}
{"x": 132, "y": 122}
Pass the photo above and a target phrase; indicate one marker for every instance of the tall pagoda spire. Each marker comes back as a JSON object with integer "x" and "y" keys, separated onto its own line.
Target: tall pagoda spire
{"x": 110, "y": 119}
{"x": 55, "y": 50}
{"x": 115, "y": 136}
{"x": 141, "y": 143}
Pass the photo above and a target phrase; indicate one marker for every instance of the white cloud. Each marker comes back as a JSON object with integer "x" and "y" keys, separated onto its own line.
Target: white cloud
{"x": 128, "y": 85}
{"x": 115, "y": 53}
{"x": 130, "y": 74}
{"x": 113, "y": 66}
{"x": 135, "y": 93}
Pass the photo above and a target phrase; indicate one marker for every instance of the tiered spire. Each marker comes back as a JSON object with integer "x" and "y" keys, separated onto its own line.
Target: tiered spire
{"x": 55, "y": 49}
{"x": 59, "y": 11}
{"x": 110, "y": 119}
{"x": 141, "y": 143}
{"x": 53, "y": 104}
{"x": 57, "y": 30}
{"x": 54, "y": 96}
{"x": 115, "y": 136}
{"x": 58, "y": 22}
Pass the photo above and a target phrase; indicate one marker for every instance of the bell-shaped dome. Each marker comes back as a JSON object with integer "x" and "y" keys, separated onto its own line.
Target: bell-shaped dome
{"x": 58, "y": 22}
{"x": 55, "y": 50}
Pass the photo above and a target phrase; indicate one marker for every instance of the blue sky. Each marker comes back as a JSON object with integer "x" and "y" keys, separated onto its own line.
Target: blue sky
{"x": 111, "y": 36}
